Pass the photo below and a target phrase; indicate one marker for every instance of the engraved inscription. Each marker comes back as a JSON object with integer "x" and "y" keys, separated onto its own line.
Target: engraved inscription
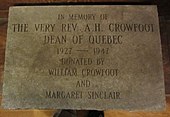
{"x": 83, "y": 57}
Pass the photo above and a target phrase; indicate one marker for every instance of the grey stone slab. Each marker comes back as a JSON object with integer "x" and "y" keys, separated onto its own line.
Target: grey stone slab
{"x": 83, "y": 57}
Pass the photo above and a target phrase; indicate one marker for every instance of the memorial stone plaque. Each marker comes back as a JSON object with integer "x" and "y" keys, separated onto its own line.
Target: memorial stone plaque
{"x": 83, "y": 57}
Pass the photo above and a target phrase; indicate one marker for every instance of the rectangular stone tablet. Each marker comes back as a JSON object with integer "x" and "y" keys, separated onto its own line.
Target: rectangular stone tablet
{"x": 83, "y": 57}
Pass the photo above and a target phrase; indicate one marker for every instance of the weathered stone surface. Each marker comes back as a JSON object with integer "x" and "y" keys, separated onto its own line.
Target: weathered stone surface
{"x": 83, "y": 57}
